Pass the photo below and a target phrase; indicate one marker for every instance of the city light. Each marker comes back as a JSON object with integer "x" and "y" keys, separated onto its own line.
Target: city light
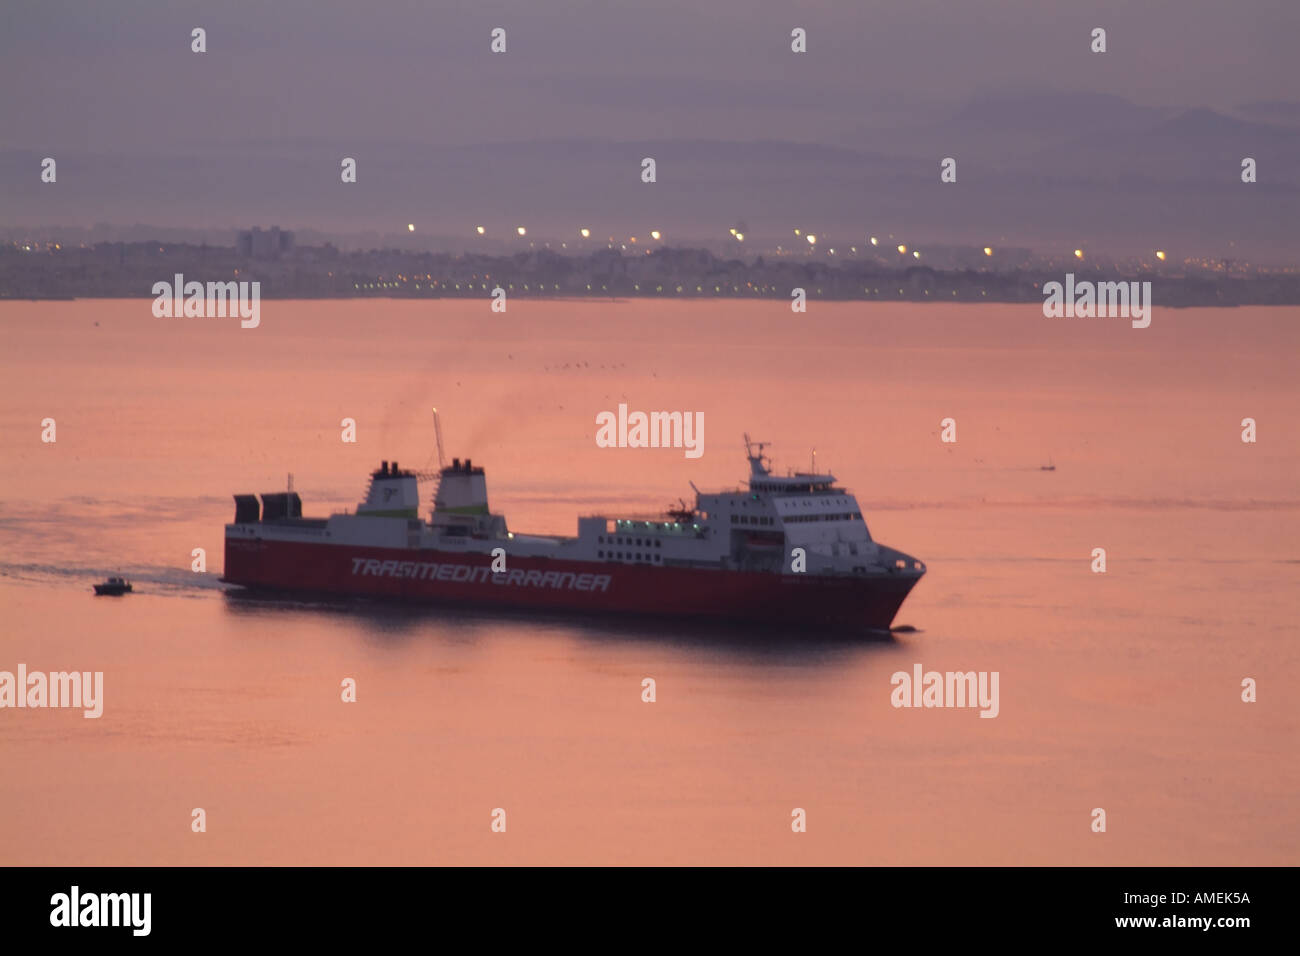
{"x": 740, "y": 237}
{"x": 988, "y": 250}
{"x": 410, "y": 227}
{"x": 480, "y": 230}
{"x": 916, "y": 254}
{"x": 585, "y": 233}
{"x": 875, "y": 241}
{"x": 522, "y": 231}
{"x": 902, "y": 250}
{"x": 812, "y": 240}
{"x": 1160, "y": 254}
{"x": 654, "y": 233}
{"x": 1078, "y": 253}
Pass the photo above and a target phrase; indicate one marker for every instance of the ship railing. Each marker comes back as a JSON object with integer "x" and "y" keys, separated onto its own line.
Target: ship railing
{"x": 659, "y": 524}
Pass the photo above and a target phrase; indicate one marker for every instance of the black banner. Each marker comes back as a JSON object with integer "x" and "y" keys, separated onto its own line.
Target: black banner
{"x": 612, "y": 907}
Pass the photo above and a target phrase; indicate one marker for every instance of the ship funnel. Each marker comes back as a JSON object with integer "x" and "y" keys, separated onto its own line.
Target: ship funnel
{"x": 391, "y": 494}
{"x": 461, "y": 498}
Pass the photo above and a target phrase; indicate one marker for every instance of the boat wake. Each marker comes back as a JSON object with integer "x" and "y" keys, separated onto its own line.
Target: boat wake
{"x": 148, "y": 579}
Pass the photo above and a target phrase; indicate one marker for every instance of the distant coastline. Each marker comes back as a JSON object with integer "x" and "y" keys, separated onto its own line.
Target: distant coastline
{"x": 129, "y": 270}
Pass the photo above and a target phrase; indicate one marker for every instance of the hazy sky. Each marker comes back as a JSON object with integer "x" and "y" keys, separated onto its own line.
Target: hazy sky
{"x": 119, "y": 76}
{"x": 1056, "y": 144}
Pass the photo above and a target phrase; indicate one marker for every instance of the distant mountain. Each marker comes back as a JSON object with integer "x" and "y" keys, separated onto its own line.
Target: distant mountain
{"x": 1202, "y": 126}
{"x": 1047, "y": 114}
{"x": 1039, "y": 169}
{"x": 1282, "y": 112}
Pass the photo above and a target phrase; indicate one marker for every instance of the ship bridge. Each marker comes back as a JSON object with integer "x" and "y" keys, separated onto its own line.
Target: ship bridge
{"x": 798, "y": 483}
{"x": 773, "y": 514}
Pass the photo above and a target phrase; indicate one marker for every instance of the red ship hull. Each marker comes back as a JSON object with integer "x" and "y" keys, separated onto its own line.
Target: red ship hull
{"x": 864, "y": 602}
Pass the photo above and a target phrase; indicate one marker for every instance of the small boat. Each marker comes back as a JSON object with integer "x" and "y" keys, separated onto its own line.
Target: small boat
{"x": 114, "y": 586}
{"x": 1050, "y": 466}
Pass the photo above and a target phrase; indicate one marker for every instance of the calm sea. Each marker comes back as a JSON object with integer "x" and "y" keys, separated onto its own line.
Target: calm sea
{"x": 1120, "y": 691}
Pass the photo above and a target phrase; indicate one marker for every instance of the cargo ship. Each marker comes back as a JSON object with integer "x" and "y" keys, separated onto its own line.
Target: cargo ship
{"x": 790, "y": 549}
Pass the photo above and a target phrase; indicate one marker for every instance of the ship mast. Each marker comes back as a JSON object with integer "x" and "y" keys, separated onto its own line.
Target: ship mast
{"x": 437, "y": 431}
{"x": 758, "y": 465}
